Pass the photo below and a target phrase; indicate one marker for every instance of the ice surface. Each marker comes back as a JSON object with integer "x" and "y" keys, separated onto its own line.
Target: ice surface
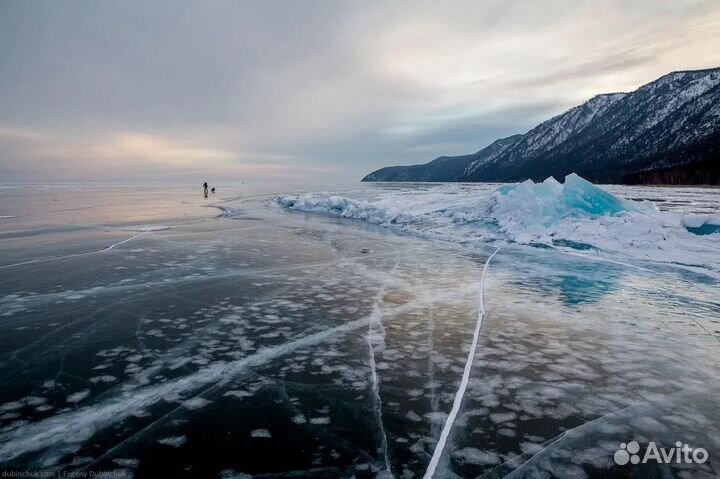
{"x": 457, "y": 402}
{"x": 267, "y": 343}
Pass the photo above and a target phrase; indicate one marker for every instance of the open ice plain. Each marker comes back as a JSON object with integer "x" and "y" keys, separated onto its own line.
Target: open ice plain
{"x": 283, "y": 334}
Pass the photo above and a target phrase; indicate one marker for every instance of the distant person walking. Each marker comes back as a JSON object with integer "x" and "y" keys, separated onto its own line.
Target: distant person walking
{"x": 205, "y": 189}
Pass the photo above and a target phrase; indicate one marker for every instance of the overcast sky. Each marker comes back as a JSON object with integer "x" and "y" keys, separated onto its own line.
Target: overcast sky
{"x": 121, "y": 90}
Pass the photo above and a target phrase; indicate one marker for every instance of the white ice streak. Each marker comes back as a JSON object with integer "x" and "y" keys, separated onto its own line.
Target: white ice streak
{"x": 430, "y": 472}
{"x": 147, "y": 228}
{"x": 376, "y": 339}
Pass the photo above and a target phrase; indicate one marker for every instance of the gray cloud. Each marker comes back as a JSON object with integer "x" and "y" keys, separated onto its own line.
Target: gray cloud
{"x": 106, "y": 90}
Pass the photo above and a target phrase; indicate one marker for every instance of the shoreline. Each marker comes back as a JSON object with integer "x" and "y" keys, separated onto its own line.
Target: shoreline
{"x": 663, "y": 185}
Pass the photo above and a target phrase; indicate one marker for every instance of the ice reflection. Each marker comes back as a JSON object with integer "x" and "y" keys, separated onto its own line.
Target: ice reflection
{"x": 574, "y": 281}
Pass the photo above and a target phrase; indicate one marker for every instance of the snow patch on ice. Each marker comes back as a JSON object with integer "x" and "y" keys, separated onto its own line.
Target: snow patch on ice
{"x": 195, "y": 403}
{"x": 78, "y": 396}
{"x": 173, "y": 441}
{"x": 470, "y": 455}
{"x": 103, "y": 379}
{"x": 238, "y": 394}
{"x": 133, "y": 463}
{"x": 412, "y": 415}
{"x": 320, "y": 420}
{"x": 230, "y": 474}
{"x": 299, "y": 419}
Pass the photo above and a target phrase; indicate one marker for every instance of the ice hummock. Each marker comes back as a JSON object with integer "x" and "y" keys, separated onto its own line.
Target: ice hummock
{"x": 576, "y": 197}
{"x": 575, "y": 214}
{"x": 529, "y": 210}
{"x": 531, "y": 204}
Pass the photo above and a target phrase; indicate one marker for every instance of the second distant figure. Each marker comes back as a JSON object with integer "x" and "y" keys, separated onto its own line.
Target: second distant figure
{"x": 205, "y": 189}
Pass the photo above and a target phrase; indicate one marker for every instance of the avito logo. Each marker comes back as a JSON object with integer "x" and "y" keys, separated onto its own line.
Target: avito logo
{"x": 680, "y": 454}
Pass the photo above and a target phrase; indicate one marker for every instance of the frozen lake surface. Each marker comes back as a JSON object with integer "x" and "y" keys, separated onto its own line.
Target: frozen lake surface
{"x": 286, "y": 333}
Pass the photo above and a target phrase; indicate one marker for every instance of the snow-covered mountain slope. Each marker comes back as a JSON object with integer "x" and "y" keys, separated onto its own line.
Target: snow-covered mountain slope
{"x": 445, "y": 168}
{"x": 667, "y": 131}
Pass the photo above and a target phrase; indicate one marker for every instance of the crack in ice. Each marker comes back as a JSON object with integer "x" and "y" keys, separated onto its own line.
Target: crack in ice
{"x": 430, "y": 472}
{"x": 74, "y": 255}
{"x": 376, "y": 335}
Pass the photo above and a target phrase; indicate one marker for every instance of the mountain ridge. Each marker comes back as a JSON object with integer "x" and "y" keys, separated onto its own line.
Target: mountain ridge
{"x": 649, "y": 135}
